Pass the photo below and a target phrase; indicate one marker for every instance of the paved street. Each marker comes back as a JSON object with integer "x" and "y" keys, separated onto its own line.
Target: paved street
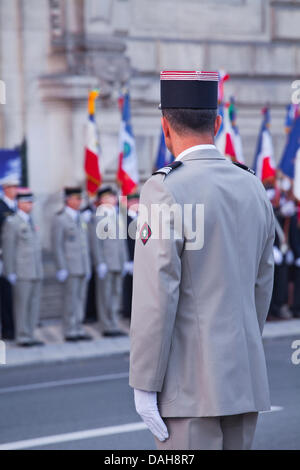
{"x": 88, "y": 405}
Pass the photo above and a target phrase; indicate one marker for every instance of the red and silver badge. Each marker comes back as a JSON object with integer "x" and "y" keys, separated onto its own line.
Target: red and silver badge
{"x": 145, "y": 233}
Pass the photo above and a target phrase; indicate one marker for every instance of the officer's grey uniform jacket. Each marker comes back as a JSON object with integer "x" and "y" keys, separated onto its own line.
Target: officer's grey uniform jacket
{"x": 70, "y": 244}
{"x": 198, "y": 315}
{"x": 21, "y": 249}
{"x": 111, "y": 250}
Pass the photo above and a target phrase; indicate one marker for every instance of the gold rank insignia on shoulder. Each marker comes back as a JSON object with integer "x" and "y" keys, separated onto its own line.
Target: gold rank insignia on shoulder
{"x": 167, "y": 169}
{"x": 244, "y": 167}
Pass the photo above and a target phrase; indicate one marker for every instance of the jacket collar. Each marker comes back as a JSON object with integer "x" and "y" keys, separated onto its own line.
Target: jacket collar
{"x": 198, "y": 153}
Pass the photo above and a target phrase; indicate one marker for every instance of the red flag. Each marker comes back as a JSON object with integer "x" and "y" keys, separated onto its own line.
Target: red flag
{"x": 91, "y": 165}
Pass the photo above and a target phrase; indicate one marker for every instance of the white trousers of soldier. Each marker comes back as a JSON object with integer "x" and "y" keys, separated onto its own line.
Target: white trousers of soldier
{"x": 109, "y": 297}
{"x": 73, "y": 307}
{"x": 235, "y": 432}
{"x": 27, "y": 296}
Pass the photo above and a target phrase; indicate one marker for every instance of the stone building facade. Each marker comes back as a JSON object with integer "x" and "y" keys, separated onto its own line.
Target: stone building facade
{"x": 53, "y": 51}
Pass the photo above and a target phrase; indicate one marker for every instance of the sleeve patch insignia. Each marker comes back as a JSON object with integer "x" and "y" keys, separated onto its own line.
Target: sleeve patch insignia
{"x": 145, "y": 233}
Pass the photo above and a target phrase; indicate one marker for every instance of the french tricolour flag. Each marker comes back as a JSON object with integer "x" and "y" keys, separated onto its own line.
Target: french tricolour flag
{"x": 164, "y": 156}
{"x": 264, "y": 164}
{"x": 225, "y": 140}
{"x": 92, "y": 149}
{"x": 127, "y": 175}
{"x": 290, "y": 161}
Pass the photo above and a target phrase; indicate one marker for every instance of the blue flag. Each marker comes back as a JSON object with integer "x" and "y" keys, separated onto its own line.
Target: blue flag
{"x": 287, "y": 163}
{"x": 10, "y": 163}
{"x": 164, "y": 156}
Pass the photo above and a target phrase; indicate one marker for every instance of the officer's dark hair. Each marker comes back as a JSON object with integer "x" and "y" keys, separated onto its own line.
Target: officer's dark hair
{"x": 191, "y": 120}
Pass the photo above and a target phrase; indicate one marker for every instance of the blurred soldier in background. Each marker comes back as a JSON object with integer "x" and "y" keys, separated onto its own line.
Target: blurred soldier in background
{"x": 284, "y": 209}
{"x": 22, "y": 263}
{"x": 295, "y": 245}
{"x": 8, "y": 206}
{"x": 71, "y": 252}
{"x": 90, "y": 316}
{"x": 132, "y": 212}
{"x": 110, "y": 259}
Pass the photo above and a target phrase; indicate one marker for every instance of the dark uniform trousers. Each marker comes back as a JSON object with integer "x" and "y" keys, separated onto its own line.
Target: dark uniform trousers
{"x": 295, "y": 246}
{"x": 6, "y": 292}
{"x": 234, "y": 432}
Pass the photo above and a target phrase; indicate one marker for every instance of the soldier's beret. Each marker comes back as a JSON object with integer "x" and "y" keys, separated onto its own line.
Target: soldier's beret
{"x": 71, "y": 191}
{"x": 194, "y": 89}
{"x": 106, "y": 190}
{"x": 25, "y": 195}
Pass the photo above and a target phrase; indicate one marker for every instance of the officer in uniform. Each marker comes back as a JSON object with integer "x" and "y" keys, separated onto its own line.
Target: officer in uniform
{"x": 8, "y": 206}
{"x": 22, "y": 265}
{"x": 201, "y": 291}
{"x": 71, "y": 252}
{"x": 110, "y": 258}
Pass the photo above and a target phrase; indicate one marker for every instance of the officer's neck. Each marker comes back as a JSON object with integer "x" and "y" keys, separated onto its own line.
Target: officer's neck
{"x": 182, "y": 143}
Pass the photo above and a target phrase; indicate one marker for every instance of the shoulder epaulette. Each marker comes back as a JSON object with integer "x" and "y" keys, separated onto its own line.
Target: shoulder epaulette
{"x": 244, "y": 167}
{"x": 167, "y": 169}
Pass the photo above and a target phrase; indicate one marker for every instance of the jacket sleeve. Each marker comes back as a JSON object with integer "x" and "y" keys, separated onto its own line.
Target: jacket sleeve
{"x": 96, "y": 244}
{"x": 58, "y": 243}
{"x": 9, "y": 242}
{"x": 156, "y": 280}
{"x": 265, "y": 277}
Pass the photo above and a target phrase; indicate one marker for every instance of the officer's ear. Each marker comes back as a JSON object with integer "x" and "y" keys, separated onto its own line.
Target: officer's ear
{"x": 166, "y": 130}
{"x": 165, "y": 126}
{"x": 218, "y": 123}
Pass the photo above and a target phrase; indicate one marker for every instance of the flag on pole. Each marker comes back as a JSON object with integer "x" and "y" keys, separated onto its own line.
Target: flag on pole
{"x": 127, "y": 176}
{"x": 236, "y": 136}
{"x": 164, "y": 156}
{"x": 290, "y": 117}
{"x": 223, "y": 77}
{"x": 225, "y": 137}
{"x": 10, "y": 163}
{"x": 287, "y": 163}
{"x": 264, "y": 164}
{"x": 92, "y": 150}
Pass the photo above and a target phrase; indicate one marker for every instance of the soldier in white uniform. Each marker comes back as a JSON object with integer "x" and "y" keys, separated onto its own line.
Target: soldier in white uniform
{"x": 71, "y": 252}
{"x": 110, "y": 258}
{"x": 22, "y": 263}
{"x": 200, "y": 295}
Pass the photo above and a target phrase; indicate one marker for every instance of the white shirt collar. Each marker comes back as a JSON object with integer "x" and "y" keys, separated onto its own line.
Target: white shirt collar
{"x": 24, "y": 215}
{"x": 10, "y": 202}
{"x": 72, "y": 213}
{"x": 195, "y": 147}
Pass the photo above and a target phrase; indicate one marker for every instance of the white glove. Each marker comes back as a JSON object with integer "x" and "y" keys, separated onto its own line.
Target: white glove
{"x": 102, "y": 270}
{"x": 146, "y": 407}
{"x": 12, "y": 278}
{"x": 62, "y": 275}
{"x": 289, "y": 257}
{"x": 127, "y": 268}
{"x": 278, "y": 257}
{"x": 297, "y": 262}
{"x": 288, "y": 209}
{"x": 86, "y": 215}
